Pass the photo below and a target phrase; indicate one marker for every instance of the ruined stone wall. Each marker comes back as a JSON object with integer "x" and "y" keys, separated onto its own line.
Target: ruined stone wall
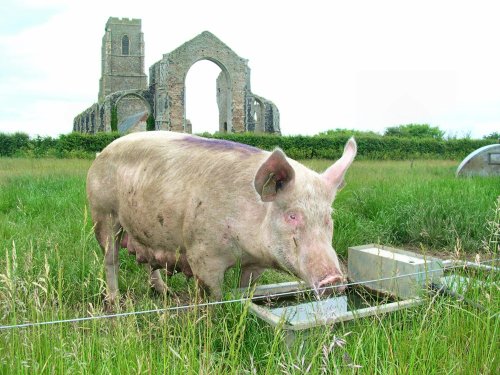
{"x": 223, "y": 102}
{"x": 123, "y": 85}
{"x": 97, "y": 118}
{"x": 261, "y": 115}
{"x": 88, "y": 121}
{"x": 271, "y": 114}
{"x": 158, "y": 95}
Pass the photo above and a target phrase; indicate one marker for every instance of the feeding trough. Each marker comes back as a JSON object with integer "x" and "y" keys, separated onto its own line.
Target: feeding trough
{"x": 398, "y": 272}
{"x": 382, "y": 279}
{"x": 288, "y": 306}
{"x": 295, "y": 310}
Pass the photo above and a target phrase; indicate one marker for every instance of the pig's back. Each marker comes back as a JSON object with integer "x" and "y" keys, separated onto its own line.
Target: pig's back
{"x": 161, "y": 155}
{"x": 156, "y": 180}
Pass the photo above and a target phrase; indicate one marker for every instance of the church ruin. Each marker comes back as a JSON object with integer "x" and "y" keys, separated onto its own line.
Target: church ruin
{"x": 127, "y": 103}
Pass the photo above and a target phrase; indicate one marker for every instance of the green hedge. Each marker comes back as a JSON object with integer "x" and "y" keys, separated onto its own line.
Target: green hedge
{"x": 73, "y": 145}
{"x": 11, "y": 143}
{"x": 298, "y": 147}
{"x": 369, "y": 147}
{"x": 85, "y": 142}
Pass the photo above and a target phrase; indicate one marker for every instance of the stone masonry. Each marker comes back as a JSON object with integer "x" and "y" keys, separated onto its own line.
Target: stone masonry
{"x": 126, "y": 99}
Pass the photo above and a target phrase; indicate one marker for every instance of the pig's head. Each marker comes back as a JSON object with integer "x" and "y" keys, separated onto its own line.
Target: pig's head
{"x": 298, "y": 228}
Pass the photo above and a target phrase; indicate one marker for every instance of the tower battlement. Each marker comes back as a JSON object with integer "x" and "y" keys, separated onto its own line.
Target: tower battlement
{"x": 123, "y": 21}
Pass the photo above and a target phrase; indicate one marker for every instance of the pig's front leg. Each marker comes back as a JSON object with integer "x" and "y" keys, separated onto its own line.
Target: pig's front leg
{"x": 208, "y": 270}
{"x": 249, "y": 275}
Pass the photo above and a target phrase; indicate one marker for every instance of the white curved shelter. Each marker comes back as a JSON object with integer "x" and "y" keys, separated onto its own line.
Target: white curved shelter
{"x": 484, "y": 161}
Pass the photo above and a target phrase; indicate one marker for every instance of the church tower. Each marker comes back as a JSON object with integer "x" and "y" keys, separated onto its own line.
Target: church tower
{"x": 122, "y": 56}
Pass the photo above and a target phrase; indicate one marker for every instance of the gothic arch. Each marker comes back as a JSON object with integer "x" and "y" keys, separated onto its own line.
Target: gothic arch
{"x": 173, "y": 68}
{"x": 129, "y": 105}
{"x": 258, "y": 115}
{"x": 134, "y": 94}
{"x": 224, "y": 111}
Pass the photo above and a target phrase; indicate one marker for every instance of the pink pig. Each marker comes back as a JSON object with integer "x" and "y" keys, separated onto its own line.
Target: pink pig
{"x": 217, "y": 202}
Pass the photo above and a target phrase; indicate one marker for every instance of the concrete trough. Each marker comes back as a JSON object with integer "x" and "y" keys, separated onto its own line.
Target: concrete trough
{"x": 375, "y": 262}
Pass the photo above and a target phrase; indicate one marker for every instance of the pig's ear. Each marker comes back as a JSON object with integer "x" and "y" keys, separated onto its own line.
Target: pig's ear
{"x": 273, "y": 175}
{"x": 334, "y": 176}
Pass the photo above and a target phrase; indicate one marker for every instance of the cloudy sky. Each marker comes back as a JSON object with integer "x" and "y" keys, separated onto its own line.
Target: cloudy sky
{"x": 326, "y": 64}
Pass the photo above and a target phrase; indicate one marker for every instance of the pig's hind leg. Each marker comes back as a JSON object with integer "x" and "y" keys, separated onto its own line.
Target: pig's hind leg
{"x": 156, "y": 280}
{"x": 108, "y": 233}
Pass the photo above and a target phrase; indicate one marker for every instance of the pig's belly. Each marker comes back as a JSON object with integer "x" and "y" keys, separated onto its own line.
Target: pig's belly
{"x": 144, "y": 226}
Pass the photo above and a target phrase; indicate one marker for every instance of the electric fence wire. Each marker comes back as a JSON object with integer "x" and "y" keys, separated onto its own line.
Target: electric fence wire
{"x": 245, "y": 299}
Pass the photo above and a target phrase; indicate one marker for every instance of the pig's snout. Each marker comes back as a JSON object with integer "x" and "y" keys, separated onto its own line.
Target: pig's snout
{"x": 331, "y": 281}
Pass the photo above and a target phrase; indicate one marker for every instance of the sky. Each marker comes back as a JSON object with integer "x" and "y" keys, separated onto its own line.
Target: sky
{"x": 364, "y": 65}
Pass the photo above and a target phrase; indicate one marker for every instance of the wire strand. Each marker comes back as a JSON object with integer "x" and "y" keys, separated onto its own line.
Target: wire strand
{"x": 214, "y": 303}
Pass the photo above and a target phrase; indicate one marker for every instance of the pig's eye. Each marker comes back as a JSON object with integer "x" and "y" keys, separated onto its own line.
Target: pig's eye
{"x": 293, "y": 218}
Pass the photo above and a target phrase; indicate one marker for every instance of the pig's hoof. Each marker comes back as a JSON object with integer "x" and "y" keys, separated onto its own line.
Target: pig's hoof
{"x": 111, "y": 302}
{"x": 160, "y": 289}
{"x": 111, "y": 306}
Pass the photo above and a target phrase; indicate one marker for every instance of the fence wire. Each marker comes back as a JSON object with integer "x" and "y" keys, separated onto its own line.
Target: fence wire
{"x": 240, "y": 300}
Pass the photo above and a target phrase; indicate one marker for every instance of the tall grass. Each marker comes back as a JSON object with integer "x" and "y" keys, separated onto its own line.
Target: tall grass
{"x": 51, "y": 268}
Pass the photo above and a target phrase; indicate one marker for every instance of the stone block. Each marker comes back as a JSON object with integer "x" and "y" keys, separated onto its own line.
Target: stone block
{"x": 374, "y": 262}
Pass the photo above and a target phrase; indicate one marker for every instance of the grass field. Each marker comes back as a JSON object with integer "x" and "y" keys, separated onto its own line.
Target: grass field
{"x": 51, "y": 268}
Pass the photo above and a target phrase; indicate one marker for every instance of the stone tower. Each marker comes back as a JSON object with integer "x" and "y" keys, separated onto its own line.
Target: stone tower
{"x": 122, "y": 54}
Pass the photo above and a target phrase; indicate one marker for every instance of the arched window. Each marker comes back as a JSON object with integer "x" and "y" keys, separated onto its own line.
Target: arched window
{"x": 125, "y": 45}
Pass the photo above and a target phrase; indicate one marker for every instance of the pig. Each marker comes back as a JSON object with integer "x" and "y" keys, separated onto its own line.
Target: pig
{"x": 220, "y": 203}
{"x": 156, "y": 260}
